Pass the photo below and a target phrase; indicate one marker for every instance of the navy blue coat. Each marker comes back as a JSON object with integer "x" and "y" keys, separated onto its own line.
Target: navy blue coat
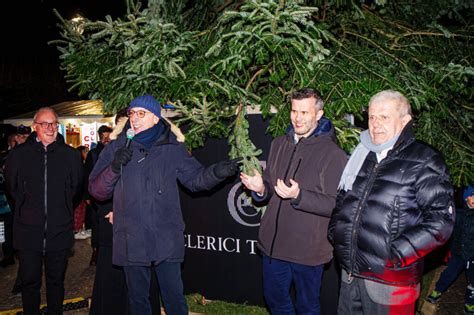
{"x": 148, "y": 224}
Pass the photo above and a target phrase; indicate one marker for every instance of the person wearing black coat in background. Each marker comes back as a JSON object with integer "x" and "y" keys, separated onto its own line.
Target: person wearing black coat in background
{"x": 44, "y": 178}
{"x": 93, "y": 205}
{"x": 109, "y": 295}
{"x": 462, "y": 254}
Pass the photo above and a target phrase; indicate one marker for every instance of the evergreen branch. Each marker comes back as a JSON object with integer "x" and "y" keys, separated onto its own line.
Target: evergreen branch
{"x": 377, "y": 46}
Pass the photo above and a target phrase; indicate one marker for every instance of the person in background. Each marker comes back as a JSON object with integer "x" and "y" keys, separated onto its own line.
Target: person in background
{"x": 109, "y": 293}
{"x": 95, "y": 206}
{"x": 395, "y": 205}
{"x": 84, "y": 151}
{"x": 6, "y": 208}
{"x": 11, "y": 141}
{"x": 80, "y": 211}
{"x": 142, "y": 174}
{"x": 300, "y": 186}
{"x": 462, "y": 254}
{"x": 22, "y": 133}
{"x": 44, "y": 178}
{"x": 19, "y": 137}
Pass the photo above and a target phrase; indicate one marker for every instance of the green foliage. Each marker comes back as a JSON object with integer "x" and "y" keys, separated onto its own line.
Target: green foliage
{"x": 268, "y": 47}
{"x": 213, "y": 58}
{"x": 198, "y": 304}
{"x": 118, "y": 60}
{"x": 431, "y": 66}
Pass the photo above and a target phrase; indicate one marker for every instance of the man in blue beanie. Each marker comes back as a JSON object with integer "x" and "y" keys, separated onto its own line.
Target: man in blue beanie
{"x": 142, "y": 176}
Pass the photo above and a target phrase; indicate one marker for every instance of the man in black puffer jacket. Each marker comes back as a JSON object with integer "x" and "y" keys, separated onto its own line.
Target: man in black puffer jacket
{"x": 44, "y": 177}
{"x": 394, "y": 206}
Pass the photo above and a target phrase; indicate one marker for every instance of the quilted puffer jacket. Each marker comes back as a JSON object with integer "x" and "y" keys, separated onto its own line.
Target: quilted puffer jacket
{"x": 398, "y": 211}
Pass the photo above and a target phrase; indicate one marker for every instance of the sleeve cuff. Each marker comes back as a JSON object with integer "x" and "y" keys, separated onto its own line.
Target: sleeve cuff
{"x": 295, "y": 202}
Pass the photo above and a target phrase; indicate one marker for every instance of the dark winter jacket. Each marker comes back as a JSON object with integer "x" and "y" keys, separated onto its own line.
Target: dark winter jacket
{"x": 296, "y": 230}
{"x": 463, "y": 234}
{"x": 91, "y": 159}
{"x": 148, "y": 224}
{"x": 398, "y": 211}
{"x": 46, "y": 185}
{"x": 100, "y": 207}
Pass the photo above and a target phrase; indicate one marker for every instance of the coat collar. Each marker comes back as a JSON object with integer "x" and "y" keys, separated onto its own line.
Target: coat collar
{"x": 324, "y": 128}
{"x": 32, "y": 140}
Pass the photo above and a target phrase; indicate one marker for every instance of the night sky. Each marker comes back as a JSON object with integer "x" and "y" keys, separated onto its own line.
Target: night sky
{"x": 29, "y": 68}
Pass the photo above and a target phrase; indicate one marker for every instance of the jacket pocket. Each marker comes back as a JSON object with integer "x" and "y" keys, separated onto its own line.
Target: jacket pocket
{"x": 395, "y": 222}
{"x": 394, "y": 232}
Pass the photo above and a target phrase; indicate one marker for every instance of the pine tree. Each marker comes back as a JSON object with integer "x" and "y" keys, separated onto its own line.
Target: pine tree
{"x": 214, "y": 59}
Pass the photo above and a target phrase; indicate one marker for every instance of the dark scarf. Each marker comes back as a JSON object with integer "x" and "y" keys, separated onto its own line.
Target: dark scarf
{"x": 149, "y": 136}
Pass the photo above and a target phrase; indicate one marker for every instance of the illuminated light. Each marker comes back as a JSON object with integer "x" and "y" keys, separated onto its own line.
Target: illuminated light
{"x": 78, "y": 23}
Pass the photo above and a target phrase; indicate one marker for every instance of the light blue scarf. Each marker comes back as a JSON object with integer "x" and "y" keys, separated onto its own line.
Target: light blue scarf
{"x": 358, "y": 157}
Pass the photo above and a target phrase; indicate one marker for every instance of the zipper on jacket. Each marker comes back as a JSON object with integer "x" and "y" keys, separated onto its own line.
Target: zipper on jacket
{"x": 358, "y": 214}
{"x": 45, "y": 197}
{"x": 281, "y": 200}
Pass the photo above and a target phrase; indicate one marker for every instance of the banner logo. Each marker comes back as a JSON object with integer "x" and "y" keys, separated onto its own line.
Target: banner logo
{"x": 240, "y": 205}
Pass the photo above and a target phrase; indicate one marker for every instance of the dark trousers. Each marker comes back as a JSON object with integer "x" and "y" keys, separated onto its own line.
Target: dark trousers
{"x": 455, "y": 266}
{"x": 31, "y": 263}
{"x": 169, "y": 281}
{"x": 109, "y": 295}
{"x": 94, "y": 225}
{"x": 279, "y": 275}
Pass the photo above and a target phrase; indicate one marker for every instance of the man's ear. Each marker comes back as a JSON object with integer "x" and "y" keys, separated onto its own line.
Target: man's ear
{"x": 406, "y": 119}
{"x": 319, "y": 114}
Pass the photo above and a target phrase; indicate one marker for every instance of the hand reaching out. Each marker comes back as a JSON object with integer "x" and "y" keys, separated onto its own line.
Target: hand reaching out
{"x": 254, "y": 183}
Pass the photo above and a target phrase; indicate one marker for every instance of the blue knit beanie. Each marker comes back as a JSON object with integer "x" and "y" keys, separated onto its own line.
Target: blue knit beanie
{"x": 148, "y": 102}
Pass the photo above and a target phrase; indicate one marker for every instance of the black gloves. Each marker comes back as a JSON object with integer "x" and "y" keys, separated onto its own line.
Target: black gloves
{"x": 224, "y": 169}
{"x": 122, "y": 157}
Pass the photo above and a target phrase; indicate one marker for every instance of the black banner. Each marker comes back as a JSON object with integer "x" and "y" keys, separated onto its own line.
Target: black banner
{"x": 222, "y": 261}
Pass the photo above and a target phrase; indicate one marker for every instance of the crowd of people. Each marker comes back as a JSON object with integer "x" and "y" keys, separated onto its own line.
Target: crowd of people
{"x": 379, "y": 211}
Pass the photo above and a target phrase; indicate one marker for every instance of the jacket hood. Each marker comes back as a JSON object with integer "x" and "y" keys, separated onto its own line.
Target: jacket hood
{"x": 325, "y": 127}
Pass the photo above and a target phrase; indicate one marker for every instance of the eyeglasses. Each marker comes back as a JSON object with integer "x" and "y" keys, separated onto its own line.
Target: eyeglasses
{"x": 139, "y": 113}
{"x": 46, "y": 125}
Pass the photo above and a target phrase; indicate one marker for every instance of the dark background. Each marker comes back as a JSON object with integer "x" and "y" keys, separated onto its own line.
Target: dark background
{"x": 30, "y": 75}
